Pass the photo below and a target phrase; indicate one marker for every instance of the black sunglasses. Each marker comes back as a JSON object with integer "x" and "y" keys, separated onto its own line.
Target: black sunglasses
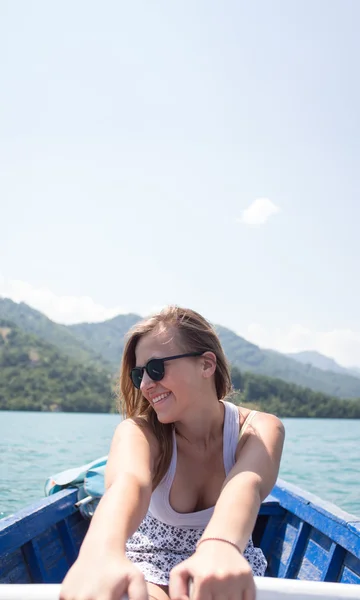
{"x": 155, "y": 368}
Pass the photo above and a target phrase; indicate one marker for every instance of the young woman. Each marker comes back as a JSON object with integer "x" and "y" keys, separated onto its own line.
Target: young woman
{"x": 186, "y": 474}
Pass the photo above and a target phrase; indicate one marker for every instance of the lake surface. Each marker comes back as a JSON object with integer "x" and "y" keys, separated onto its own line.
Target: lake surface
{"x": 320, "y": 455}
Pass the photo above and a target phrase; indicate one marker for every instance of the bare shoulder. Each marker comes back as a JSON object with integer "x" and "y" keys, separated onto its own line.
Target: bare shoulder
{"x": 263, "y": 424}
{"x": 259, "y": 450}
{"x": 243, "y": 413}
{"x": 134, "y": 448}
{"x": 135, "y": 427}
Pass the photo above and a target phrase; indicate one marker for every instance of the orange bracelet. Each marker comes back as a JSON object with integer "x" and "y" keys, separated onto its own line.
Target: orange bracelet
{"x": 217, "y": 539}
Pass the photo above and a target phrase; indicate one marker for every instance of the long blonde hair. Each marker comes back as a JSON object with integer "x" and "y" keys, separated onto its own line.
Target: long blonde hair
{"x": 196, "y": 334}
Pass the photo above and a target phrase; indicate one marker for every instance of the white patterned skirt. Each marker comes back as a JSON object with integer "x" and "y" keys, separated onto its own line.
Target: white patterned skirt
{"x": 155, "y": 548}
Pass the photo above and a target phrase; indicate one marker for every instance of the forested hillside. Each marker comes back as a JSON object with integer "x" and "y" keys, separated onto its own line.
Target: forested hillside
{"x": 107, "y": 338}
{"x": 34, "y": 322}
{"x": 102, "y": 344}
{"x": 289, "y": 400}
{"x": 249, "y": 357}
{"x": 79, "y": 370}
{"x": 34, "y": 375}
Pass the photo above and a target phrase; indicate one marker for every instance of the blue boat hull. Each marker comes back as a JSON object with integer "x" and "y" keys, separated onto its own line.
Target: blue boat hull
{"x": 301, "y": 537}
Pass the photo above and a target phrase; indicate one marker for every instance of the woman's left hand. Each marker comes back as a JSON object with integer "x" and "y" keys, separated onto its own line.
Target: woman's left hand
{"x": 216, "y": 570}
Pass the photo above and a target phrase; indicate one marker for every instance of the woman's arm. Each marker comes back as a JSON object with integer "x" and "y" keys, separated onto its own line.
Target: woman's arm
{"x": 102, "y": 569}
{"x": 128, "y": 482}
{"x": 217, "y": 569}
{"x": 249, "y": 481}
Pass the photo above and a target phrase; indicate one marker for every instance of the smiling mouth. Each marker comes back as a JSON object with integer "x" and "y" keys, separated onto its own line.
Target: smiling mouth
{"x": 160, "y": 397}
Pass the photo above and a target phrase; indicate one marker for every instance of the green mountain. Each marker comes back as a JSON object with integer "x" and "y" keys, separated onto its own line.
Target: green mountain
{"x": 34, "y": 375}
{"x": 102, "y": 344}
{"x": 34, "y": 322}
{"x": 325, "y": 363}
{"x": 355, "y": 371}
{"x": 106, "y": 338}
{"x": 289, "y": 400}
{"x": 249, "y": 357}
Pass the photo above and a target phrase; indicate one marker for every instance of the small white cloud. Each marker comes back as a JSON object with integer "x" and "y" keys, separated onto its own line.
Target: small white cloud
{"x": 343, "y": 345}
{"x": 62, "y": 309}
{"x": 258, "y": 212}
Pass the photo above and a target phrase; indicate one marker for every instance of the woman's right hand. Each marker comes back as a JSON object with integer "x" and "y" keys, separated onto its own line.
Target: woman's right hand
{"x": 108, "y": 576}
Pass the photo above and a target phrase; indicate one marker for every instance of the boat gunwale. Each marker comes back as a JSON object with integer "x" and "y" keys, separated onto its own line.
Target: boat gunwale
{"x": 31, "y": 521}
{"x": 339, "y": 526}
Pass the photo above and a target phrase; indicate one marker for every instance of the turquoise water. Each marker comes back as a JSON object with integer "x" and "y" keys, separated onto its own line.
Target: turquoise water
{"x": 320, "y": 455}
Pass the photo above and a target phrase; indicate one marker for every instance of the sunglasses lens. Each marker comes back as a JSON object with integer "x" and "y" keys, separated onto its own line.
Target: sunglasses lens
{"x": 136, "y": 377}
{"x": 155, "y": 369}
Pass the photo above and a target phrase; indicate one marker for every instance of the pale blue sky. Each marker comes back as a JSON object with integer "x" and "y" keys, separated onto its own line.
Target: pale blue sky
{"x": 134, "y": 134}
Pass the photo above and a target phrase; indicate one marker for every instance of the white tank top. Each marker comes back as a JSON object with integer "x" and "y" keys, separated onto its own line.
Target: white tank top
{"x": 160, "y": 507}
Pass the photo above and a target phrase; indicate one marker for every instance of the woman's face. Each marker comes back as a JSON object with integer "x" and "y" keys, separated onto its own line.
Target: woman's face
{"x": 182, "y": 380}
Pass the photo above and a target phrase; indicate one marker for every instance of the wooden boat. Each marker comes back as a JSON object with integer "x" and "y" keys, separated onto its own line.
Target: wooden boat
{"x": 302, "y": 537}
